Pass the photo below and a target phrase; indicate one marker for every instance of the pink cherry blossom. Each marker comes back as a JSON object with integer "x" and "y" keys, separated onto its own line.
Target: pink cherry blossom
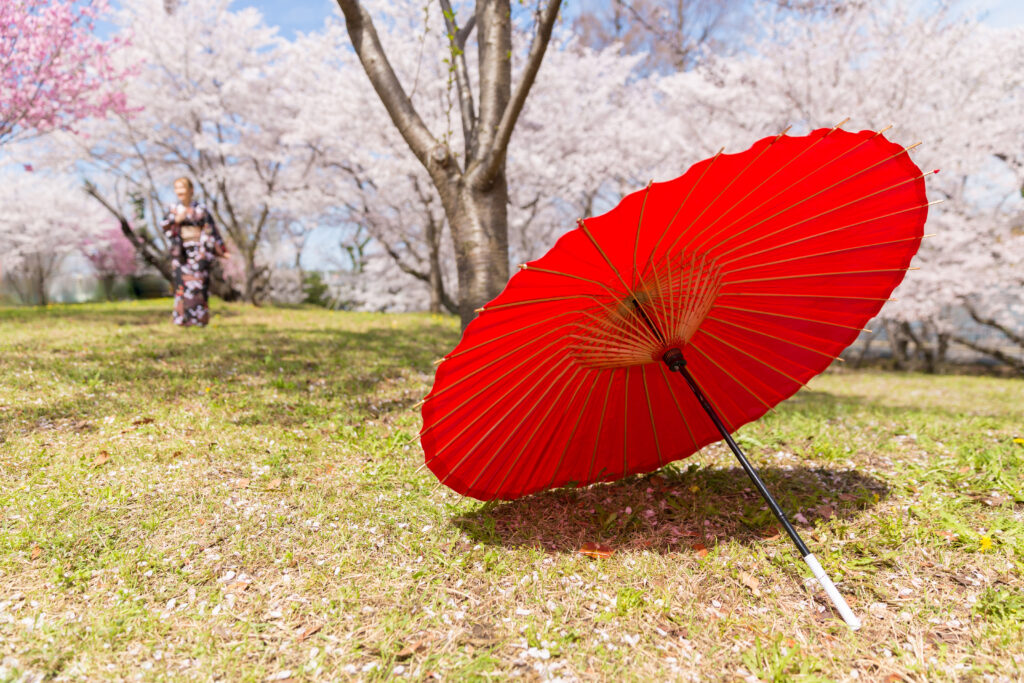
{"x": 54, "y": 70}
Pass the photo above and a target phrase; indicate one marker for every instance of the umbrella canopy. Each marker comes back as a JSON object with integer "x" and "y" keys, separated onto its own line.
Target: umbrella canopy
{"x": 760, "y": 267}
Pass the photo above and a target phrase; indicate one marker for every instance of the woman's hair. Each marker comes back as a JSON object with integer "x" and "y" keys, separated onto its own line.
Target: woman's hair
{"x": 185, "y": 181}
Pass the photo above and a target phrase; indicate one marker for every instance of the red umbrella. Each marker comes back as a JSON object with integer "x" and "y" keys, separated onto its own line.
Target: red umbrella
{"x": 748, "y": 275}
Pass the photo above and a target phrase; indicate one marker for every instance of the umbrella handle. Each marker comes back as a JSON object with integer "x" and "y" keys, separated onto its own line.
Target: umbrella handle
{"x": 674, "y": 360}
{"x": 833, "y": 593}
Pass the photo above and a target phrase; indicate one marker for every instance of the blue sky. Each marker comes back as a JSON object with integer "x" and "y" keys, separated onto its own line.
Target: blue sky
{"x": 292, "y": 16}
{"x": 1004, "y": 12}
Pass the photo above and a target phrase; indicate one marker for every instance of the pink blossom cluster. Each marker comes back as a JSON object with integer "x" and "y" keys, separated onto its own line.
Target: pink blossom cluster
{"x": 54, "y": 70}
{"x": 110, "y": 253}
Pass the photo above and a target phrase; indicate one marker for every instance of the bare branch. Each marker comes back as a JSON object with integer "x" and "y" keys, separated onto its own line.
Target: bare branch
{"x": 1017, "y": 337}
{"x": 371, "y": 53}
{"x": 1016, "y": 363}
{"x": 456, "y": 41}
{"x": 146, "y": 249}
{"x": 463, "y": 34}
{"x": 446, "y": 300}
{"x": 494, "y": 156}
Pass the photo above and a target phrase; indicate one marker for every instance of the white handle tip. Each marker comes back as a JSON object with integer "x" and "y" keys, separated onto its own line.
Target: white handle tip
{"x": 830, "y": 589}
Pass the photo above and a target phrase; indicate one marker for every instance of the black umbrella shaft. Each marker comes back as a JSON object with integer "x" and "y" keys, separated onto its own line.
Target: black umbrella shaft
{"x": 675, "y": 361}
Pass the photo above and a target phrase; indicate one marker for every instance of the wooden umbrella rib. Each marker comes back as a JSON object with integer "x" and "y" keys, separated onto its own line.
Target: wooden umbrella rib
{"x": 530, "y": 439}
{"x": 494, "y": 361}
{"x": 809, "y": 197}
{"x": 731, "y": 182}
{"x": 571, "y": 276}
{"x": 586, "y": 231}
{"x": 530, "y": 302}
{"x": 791, "y": 317}
{"x": 493, "y": 426}
{"x": 618, "y": 276}
{"x": 776, "y": 172}
{"x": 608, "y": 352}
{"x": 730, "y": 375}
{"x": 597, "y": 302}
{"x": 797, "y": 182}
{"x": 614, "y": 345}
{"x": 700, "y": 278}
{"x": 639, "y": 226}
{"x": 539, "y": 399}
{"x": 650, "y": 314}
{"x": 672, "y": 300}
{"x": 824, "y": 253}
{"x": 473, "y": 397}
{"x": 687, "y": 286}
{"x": 811, "y": 295}
{"x": 672, "y": 220}
{"x": 827, "y": 212}
{"x": 600, "y": 426}
{"x": 772, "y": 336}
{"x": 481, "y": 414}
{"x": 720, "y": 412}
{"x": 613, "y": 341}
{"x": 761, "y": 361}
{"x": 517, "y": 331}
{"x": 537, "y": 465}
{"x": 783, "y": 245}
{"x": 650, "y": 411}
{"x": 805, "y": 275}
{"x": 606, "y": 326}
{"x": 627, "y": 319}
{"x": 702, "y": 290}
{"x": 675, "y": 399}
{"x": 579, "y": 419}
{"x": 605, "y": 338}
{"x": 625, "y": 423}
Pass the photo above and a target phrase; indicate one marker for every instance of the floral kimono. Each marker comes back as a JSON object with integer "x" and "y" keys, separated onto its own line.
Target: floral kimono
{"x": 194, "y": 244}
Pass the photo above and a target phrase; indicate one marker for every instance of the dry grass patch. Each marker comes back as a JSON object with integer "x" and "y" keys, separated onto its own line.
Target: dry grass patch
{"x": 246, "y": 502}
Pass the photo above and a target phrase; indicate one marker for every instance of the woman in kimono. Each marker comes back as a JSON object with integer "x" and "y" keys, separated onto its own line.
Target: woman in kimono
{"x": 195, "y": 242}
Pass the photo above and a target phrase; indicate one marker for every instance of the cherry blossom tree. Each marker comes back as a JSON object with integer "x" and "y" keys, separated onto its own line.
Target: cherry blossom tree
{"x": 44, "y": 220}
{"x": 678, "y": 35}
{"x": 472, "y": 185}
{"x": 943, "y": 78}
{"x": 54, "y": 70}
{"x": 112, "y": 256}
{"x": 670, "y": 35}
{"x": 587, "y": 134}
{"x": 216, "y": 106}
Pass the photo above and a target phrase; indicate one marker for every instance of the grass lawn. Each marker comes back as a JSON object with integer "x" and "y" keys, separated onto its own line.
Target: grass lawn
{"x": 246, "y": 502}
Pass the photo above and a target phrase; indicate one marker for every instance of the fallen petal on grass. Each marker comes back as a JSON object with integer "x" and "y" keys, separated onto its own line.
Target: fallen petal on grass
{"x": 596, "y": 550}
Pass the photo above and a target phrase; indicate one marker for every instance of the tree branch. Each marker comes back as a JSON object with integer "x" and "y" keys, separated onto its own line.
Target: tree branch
{"x": 446, "y": 300}
{"x": 1015, "y": 363}
{"x": 384, "y": 80}
{"x": 993, "y": 323}
{"x": 456, "y": 43}
{"x": 142, "y": 246}
{"x": 494, "y": 157}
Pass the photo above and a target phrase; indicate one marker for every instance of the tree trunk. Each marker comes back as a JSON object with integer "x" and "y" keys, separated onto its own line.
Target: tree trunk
{"x": 859, "y": 361}
{"x": 107, "y": 282}
{"x": 475, "y": 197}
{"x": 434, "y": 263}
{"x": 479, "y": 224}
{"x": 39, "y": 277}
{"x": 898, "y": 341}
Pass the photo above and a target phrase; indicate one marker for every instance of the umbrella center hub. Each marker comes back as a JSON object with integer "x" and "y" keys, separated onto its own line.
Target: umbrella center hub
{"x": 661, "y": 311}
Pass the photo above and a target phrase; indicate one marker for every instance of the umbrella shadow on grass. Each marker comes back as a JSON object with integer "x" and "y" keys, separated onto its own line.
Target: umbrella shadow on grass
{"x": 673, "y": 509}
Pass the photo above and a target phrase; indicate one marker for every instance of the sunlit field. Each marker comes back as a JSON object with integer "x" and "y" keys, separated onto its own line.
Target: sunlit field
{"x": 247, "y": 502}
